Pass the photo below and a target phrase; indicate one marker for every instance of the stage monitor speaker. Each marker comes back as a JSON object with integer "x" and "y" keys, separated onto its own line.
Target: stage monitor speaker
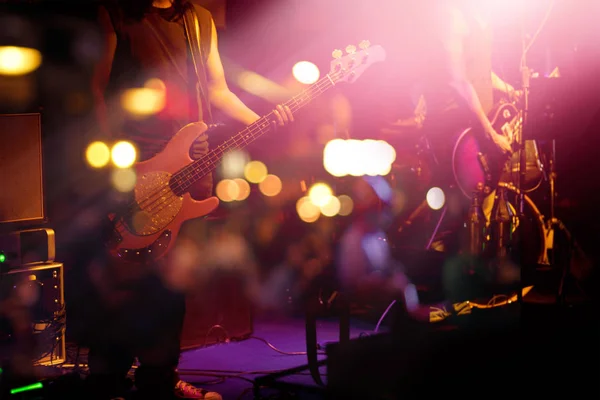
{"x": 21, "y": 180}
{"x": 41, "y": 289}
{"x": 218, "y": 311}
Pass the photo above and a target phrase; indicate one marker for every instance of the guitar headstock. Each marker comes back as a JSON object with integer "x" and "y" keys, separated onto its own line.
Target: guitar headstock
{"x": 348, "y": 68}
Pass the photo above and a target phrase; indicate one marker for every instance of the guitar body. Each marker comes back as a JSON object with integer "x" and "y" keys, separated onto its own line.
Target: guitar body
{"x": 149, "y": 231}
{"x": 478, "y": 161}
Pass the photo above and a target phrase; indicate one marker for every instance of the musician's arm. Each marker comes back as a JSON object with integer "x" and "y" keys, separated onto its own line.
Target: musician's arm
{"x": 218, "y": 91}
{"x": 505, "y": 87}
{"x": 102, "y": 69}
{"x": 500, "y": 85}
{"x": 453, "y": 29}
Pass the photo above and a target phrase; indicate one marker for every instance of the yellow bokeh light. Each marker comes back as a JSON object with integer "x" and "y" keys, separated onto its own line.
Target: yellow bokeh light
{"x": 233, "y": 164}
{"x": 346, "y": 205}
{"x": 97, "y": 154}
{"x": 123, "y": 154}
{"x": 19, "y": 60}
{"x": 143, "y": 101}
{"x": 271, "y": 186}
{"x": 307, "y": 211}
{"x": 155, "y": 84}
{"x": 243, "y": 189}
{"x": 332, "y": 207}
{"x": 306, "y": 72}
{"x": 227, "y": 190}
{"x": 320, "y": 194}
{"x": 124, "y": 179}
{"x": 255, "y": 172}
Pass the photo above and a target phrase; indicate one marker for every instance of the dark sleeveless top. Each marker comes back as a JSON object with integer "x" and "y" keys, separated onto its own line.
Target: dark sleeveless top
{"x": 141, "y": 56}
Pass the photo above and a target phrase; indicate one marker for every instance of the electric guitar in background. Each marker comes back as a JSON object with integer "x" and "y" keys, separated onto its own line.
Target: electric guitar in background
{"x": 146, "y": 229}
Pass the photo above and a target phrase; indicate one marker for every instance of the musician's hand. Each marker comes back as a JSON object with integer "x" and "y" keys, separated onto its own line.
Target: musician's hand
{"x": 200, "y": 146}
{"x": 517, "y": 95}
{"x": 502, "y": 142}
{"x": 284, "y": 115}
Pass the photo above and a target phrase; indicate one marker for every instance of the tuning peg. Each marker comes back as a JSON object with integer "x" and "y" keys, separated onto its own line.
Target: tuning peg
{"x": 365, "y": 44}
{"x": 337, "y": 54}
{"x": 351, "y": 49}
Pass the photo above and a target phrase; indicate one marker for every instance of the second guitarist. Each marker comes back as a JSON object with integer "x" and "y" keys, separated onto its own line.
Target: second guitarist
{"x": 459, "y": 87}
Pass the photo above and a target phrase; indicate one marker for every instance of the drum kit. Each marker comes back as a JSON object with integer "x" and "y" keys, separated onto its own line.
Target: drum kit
{"x": 416, "y": 165}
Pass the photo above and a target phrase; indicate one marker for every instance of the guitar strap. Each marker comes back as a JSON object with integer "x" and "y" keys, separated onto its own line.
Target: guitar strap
{"x": 192, "y": 30}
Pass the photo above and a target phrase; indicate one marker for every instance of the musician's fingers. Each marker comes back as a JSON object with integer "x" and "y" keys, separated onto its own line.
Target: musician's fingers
{"x": 289, "y": 113}
{"x": 282, "y": 114}
{"x": 280, "y": 120}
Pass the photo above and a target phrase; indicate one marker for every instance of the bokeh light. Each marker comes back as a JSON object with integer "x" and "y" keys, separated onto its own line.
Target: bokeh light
{"x": 271, "y": 186}
{"x": 227, "y": 190}
{"x": 243, "y": 189}
{"x": 346, "y": 205}
{"x": 124, "y": 179}
{"x": 436, "y": 198}
{"x": 19, "y": 60}
{"x": 332, "y": 207}
{"x": 306, "y": 72}
{"x": 307, "y": 211}
{"x": 145, "y": 101}
{"x": 97, "y": 154}
{"x": 233, "y": 164}
{"x": 320, "y": 194}
{"x": 123, "y": 154}
{"x": 255, "y": 172}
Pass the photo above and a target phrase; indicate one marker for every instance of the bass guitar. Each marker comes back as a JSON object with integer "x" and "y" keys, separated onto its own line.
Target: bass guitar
{"x": 146, "y": 229}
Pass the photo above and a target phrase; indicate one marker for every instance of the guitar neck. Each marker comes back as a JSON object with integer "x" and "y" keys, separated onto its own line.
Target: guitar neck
{"x": 203, "y": 166}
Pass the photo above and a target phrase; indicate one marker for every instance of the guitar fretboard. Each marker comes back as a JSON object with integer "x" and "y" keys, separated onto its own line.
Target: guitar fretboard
{"x": 184, "y": 178}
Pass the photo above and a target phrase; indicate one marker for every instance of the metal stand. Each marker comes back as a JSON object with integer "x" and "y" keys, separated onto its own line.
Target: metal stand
{"x": 526, "y": 75}
{"x": 313, "y": 365}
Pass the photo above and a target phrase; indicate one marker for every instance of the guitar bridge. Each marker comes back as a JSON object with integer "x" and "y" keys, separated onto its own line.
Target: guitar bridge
{"x": 149, "y": 253}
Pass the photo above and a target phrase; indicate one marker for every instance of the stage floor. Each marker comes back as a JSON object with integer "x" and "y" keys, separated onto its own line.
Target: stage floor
{"x": 561, "y": 335}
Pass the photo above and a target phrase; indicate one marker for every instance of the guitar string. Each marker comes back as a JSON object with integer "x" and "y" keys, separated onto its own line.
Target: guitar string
{"x": 215, "y": 157}
{"x": 182, "y": 182}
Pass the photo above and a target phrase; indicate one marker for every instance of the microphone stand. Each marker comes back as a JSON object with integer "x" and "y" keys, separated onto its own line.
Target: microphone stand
{"x": 525, "y": 76}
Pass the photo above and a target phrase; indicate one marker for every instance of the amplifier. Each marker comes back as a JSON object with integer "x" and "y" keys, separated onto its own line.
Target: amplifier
{"x": 39, "y": 290}
{"x": 26, "y": 247}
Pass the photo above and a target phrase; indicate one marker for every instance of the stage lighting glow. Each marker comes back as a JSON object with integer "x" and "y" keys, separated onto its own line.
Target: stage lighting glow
{"x": 320, "y": 193}
{"x": 234, "y": 163}
{"x": 307, "y": 211}
{"x": 18, "y": 60}
{"x": 306, "y": 72}
{"x": 227, "y": 190}
{"x": 334, "y": 157}
{"x": 435, "y": 198}
{"x": 123, "y": 154}
{"x": 243, "y": 189}
{"x": 358, "y": 157}
{"x": 124, "y": 179}
{"x": 143, "y": 102}
{"x": 332, "y": 207}
{"x": 346, "y": 205}
{"x": 97, "y": 154}
{"x": 271, "y": 186}
{"x": 255, "y": 172}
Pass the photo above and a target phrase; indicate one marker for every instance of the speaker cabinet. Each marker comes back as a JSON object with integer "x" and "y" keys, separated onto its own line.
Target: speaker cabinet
{"x": 21, "y": 182}
{"x": 216, "y": 312}
{"x": 41, "y": 289}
